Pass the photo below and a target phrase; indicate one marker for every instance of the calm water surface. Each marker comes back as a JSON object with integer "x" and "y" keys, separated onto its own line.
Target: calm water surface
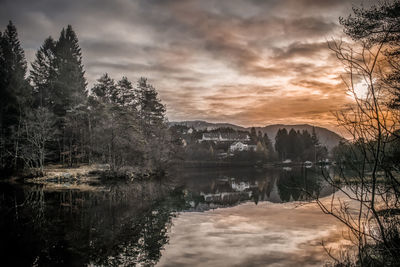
{"x": 211, "y": 218}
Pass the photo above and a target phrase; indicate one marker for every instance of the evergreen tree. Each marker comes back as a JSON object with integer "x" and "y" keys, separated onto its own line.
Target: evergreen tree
{"x": 43, "y": 73}
{"x": 113, "y": 123}
{"x": 153, "y": 126}
{"x": 307, "y": 139}
{"x": 3, "y": 70}
{"x": 68, "y": 93}
{"x": 293, "y": 144}
{"x": 15, "y": 90}
{"x": 69, "y": 88}
{"x": 15, "y": 95}
{"x": 298, "y": 146}
{"x": 281, "y": 143}
{"x": 127, "y": 95}
{"x": 152, "y": 111}
{"x": 101, "y": 125}
{"x": 117, "y": 124}
{"x": 105, "y": 89}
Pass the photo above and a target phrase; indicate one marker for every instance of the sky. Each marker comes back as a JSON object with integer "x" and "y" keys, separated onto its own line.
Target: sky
{"x": 247, "y": 62}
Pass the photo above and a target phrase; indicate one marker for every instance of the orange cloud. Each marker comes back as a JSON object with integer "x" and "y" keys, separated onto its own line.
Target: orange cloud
{"x": 246, "y": 62}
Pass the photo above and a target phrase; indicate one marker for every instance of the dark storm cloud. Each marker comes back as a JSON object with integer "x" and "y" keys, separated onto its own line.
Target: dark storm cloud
{"x": 206, "y": 58}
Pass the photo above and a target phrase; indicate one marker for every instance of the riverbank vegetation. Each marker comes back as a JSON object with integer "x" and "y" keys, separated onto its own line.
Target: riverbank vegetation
{"x": 51, "y": 116}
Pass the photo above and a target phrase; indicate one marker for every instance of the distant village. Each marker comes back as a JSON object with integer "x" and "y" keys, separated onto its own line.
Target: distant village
{"x": 224, "y": 142}
{"x": 238, "y": 141}
{"x": 227, "y": 144}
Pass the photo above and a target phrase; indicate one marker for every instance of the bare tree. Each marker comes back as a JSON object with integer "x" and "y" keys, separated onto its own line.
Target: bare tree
{"x": 38, "y": 130}
{"x": 369, "y": 184}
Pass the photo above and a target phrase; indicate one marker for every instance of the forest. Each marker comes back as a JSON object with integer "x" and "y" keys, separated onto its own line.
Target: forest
{"x": 299, "y": 146}
{"x": 49, "y": 115}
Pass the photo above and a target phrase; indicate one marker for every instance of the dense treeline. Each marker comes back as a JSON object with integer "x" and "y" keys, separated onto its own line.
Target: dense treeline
{"x": 299, "y": 146}
{"x": 49, "y": 115}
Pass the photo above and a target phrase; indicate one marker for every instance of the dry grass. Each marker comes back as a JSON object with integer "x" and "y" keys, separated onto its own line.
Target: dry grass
{"x": 57, "y": 177}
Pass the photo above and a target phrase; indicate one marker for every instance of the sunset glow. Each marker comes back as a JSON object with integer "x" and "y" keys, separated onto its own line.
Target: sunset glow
{"x": 244, "y": 62}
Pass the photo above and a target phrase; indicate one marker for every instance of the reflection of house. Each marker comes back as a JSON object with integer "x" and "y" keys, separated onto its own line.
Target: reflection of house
{"x": 239, "y": 146}
{"x": 225, "y": 137}
{"x": 227, "y": 197}
{"x": 240, "y": 186}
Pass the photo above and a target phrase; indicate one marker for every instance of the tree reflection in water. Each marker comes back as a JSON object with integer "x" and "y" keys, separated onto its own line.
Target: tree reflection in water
{"x": 123, "y": 226}
{"x": 302, "y": 185}
{"x": 126, "y": 224}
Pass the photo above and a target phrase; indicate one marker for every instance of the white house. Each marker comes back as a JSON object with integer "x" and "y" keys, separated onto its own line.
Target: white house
{"x": 239, "y": 146}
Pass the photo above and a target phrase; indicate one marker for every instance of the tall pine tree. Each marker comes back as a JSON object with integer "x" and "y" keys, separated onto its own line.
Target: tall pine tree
{"x": 69, "y": 88}
{"x": 151, "y": 110}
{"x": 15, "y": 95}
{"x": 14, "y": 87}
{"x": 43, "y": 74}
{"x": 105, "y": 90}
{"x": 281, "y": 143}
{"x": 127, "y": 95}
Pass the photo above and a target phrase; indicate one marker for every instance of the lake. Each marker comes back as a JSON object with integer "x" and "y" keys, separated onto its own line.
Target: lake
{"x": 214, "y": 217}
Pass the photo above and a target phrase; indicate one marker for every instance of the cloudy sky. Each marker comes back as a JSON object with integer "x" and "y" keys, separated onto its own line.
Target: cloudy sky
{"x": 248, "y": 62}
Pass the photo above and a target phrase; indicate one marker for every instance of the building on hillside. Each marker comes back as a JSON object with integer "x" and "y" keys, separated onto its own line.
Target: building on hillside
{"x": 243, "y": 146}
{"x": 240, "y": 146}
{"x": 225, "y": 137}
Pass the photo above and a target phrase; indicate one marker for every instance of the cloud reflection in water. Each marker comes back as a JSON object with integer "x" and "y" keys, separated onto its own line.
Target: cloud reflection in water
{"x": 270, "y": 234}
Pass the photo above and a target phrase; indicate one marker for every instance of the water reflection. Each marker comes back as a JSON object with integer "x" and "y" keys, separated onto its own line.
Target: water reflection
{"x": 126, "y": 224}
{"x": 267, "y": 234}
{"x": 121, "y": 226}
{"x": 213, "y": 189}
